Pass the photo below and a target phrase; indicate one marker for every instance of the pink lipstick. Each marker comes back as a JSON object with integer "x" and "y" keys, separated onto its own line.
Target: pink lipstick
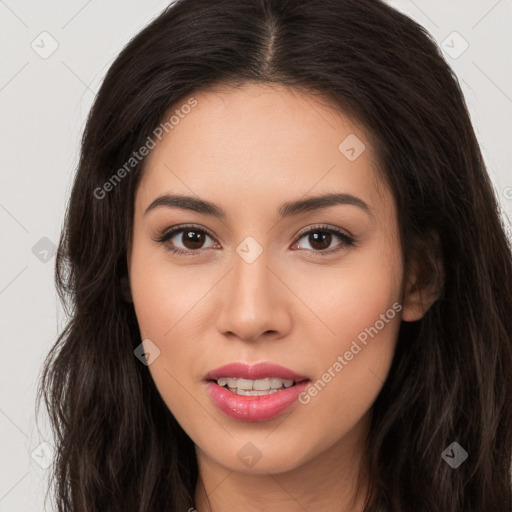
{"x": 258, "y": 392}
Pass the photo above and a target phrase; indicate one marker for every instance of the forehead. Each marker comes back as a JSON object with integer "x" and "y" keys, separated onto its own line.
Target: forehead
{"x": 261, "y": 144}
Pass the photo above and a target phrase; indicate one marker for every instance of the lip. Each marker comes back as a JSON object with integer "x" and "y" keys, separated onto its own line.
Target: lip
{"x": 254, "y": 408}
{"x": 255, "y": 371}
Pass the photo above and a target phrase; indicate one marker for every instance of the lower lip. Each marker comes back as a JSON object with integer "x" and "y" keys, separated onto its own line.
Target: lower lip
{"x": 254, "y": 408}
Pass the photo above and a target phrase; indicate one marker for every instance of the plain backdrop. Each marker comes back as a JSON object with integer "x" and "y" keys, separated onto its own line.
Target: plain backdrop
{"x": 53, "y": 57}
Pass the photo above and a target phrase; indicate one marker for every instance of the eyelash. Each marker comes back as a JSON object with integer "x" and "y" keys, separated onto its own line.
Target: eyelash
{"x": 347, "y": 241}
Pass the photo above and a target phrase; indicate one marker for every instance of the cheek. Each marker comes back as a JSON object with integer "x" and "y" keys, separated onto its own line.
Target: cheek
{"x": 167, "y": 302}
{"x": 361, "y": 309}
{"x": 165, "y": 295}
{"x": 351, "y": 295}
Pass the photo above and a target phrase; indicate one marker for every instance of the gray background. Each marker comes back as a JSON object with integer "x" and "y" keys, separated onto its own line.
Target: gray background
{"x": 44, "y": 100}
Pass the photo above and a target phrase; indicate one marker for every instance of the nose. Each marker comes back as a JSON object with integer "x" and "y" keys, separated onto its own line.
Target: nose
{"x": 255, "y": 301}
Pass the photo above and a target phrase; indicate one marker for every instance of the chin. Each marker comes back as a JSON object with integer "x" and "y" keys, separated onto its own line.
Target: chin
{"x": 260, "y": 456}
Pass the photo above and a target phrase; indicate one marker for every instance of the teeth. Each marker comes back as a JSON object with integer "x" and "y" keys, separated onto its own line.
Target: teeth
{"x": 244, "y": 384}
{"x": 277, "y": 383}
{"x": 261, "y": 384}
{"x": 255, "y": 387}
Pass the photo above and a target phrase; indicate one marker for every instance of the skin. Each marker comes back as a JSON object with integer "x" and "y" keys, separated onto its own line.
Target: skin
{"x": 248, "y": 150}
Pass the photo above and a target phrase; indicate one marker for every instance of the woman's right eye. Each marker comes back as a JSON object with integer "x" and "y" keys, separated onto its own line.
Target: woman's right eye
{"x": 191, "y": 238}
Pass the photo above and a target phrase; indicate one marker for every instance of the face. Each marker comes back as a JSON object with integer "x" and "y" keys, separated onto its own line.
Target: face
{"x": 265, "y": 275}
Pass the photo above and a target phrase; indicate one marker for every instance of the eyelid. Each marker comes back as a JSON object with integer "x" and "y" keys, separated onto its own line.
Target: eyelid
{"x": 325, "y": 227}
{"x": 166, "y": 233}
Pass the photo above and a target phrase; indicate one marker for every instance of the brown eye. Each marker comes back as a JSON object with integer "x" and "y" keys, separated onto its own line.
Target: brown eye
{"x": 192, "y": 239}
{"x": 320, "y": 239}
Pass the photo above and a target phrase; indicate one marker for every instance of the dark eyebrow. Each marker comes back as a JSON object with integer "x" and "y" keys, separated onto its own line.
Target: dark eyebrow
{"x": 286, "y": 210}
{"x": 323, "y": 201}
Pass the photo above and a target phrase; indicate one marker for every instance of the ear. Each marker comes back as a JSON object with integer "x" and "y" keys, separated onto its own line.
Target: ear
{"x": 424, "y": 279}
{"x": 125, "y": 289}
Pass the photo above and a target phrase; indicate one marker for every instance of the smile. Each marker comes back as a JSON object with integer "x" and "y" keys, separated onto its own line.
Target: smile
{"x": 258, "y": 392}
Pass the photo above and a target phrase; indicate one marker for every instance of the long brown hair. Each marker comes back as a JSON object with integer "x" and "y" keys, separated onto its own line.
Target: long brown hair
{"x": 118, "y": 446}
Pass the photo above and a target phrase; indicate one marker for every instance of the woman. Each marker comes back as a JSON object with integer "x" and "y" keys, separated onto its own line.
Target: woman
{"x": 237, "y": 155}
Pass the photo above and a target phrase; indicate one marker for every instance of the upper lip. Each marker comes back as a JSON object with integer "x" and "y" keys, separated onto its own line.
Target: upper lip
{"x": 260, "y": 370}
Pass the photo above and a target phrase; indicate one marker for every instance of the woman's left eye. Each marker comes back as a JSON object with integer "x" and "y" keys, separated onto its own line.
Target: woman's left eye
{"x": 321, "y": 237}
{"x": 192, "y": 238}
